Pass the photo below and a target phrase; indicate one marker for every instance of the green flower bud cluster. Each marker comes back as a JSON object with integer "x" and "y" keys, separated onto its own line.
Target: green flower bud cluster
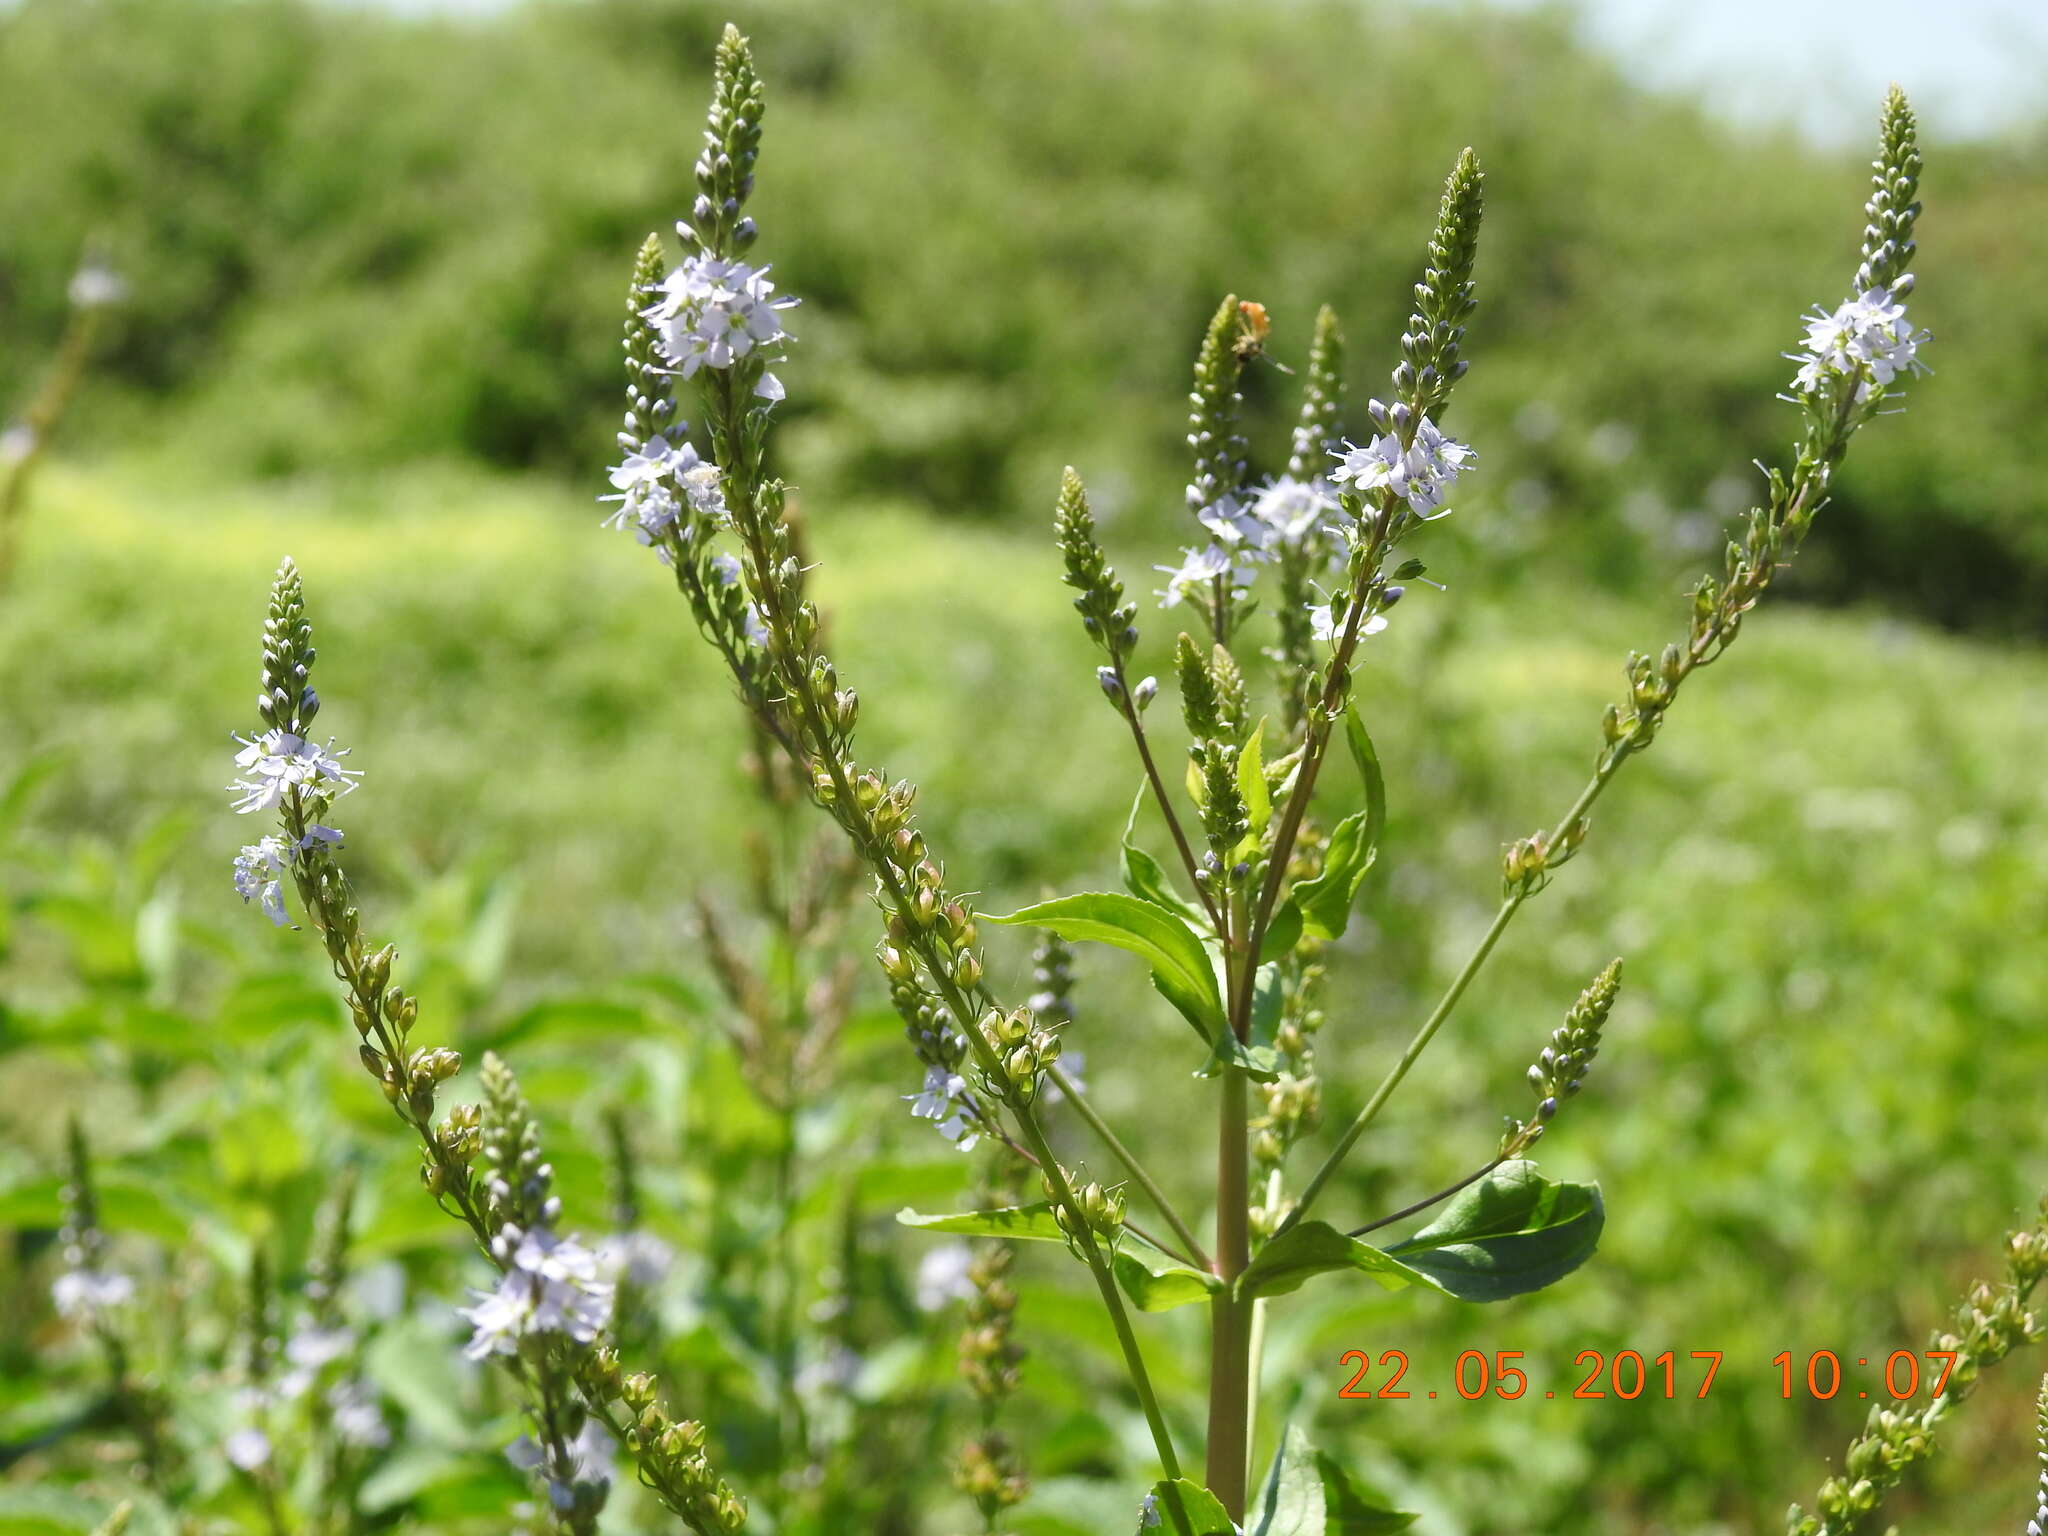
{"x": 732, "y": 141}
{"x": 1291, "y": 1106}
{"x": 1322, "y": 400}
{"x": 287, "y": 702}
{"x": 1527, "y": 863}
{"x": 1233, "y": 336}
{"x": 327, "y": 1273}
{"x": 1023, "y": 1048}
{"x": 671, "y": 1457}
{"x": 1052, "y": 981}
{"x": 1559, "y": 1070}
{"x": 81, "y": 1239}
{"x": 1105, "y": 614}
{"x": 1895, "y": 183}
{"x": 1989, "y": 1324}
{"x": 988, "y": 1472}
{"x": 990, "y": 1357}
{"x": 1430, "y": 364}
{"x": 1102, "y": 1209}
{"x": 516, "y": 1183}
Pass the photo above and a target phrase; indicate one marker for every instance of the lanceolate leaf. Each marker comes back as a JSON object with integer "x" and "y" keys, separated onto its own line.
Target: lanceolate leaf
{"x": 1306, "y": 1493}
{"x": 1251, "y": 781}
{"x": 1290, "y": 1501}
{"x": 1514, "y": 1231}
{"x": 1313, "y": 1248}
{"x": 1144, "y": 878}
{"x": 1157, "y": 1283}
{"x": 1326, "y": 901}
{"x": 1180, "y": 966}
{"x": 1352, "y": 1507}
{"x": 1030, "y": 1223}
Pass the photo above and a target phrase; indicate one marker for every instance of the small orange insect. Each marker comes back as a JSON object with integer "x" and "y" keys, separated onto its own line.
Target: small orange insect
{"x": 1253, "y": 327}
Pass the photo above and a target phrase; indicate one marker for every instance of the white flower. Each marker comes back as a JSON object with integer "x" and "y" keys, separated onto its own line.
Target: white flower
{"x": 1296, "y": 510}
{"x": 259, "y": 870}
{"x": 837, "y": 1372}
{"x": 591, "y": 1456}
{"x": 550, "y": 1285}
{"x": 942, "y": 1276}
{"x": 95, "y": 285}
{"x": 1200, "y": 570}
{"x": 757, "y": 628}
{"x": 1865, "y": 337}
{"x": 1420, "y": 473}
{"x": 714, "y": 311}
{"x": 81, "y": 1295}
{"x": 945, "y": 1099}
{"x": 1325, "y": 625}
{"x": 277, "y": 761}
{"x": 17, "y": 443}
{"x": 656, "y": 482}
{"x": 1148, "y": 1513}
{"x": 247, "y": 1448}
{"x": 639, "y": 1258}
{"x": 357, "y": 1420}
{"x": 1236, "y": 527}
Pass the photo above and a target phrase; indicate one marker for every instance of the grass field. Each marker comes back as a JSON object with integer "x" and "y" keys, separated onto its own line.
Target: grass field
{"x": 1816, "y": 1109}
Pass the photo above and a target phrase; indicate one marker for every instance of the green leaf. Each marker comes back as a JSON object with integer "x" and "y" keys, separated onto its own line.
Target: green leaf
{"x": 1312, "y": 1248}
{"x": 1512, "y": 1232}
{"x": 1326, "y": 901}
{"x": 1180, "y": 966}
{"x": 1283, "y": 932}
{"x": 1033, "y": 1223}
{"x": 1355, "y": 1508}
{"x": 1290, "y": 1501}
{"x": 1251, "y": 781}
{"x": 1257, "y": 1056}
{"x": 1156, "y": 1282}
{"x": 1205, "y": 1513}
{"x": 1144, "y": 878}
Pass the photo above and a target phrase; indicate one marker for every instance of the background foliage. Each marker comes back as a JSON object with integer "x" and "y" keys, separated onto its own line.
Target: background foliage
{"x": 377, "y": 266}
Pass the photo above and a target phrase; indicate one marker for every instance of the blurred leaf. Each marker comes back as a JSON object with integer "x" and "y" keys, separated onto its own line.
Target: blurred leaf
{"x": 1312, "y": 1248}
{"x": 1205, "y": 1513}
{"x": 1290, "y": 1500}
{"x": 1180, "y": 966}
{"x": 129, "y": 1202}
{"x": 48, "y": 1511}
{"x": 20, "y": 793}
{"x": 1513, "y": 1231}
{"x": 1352, "y": 1507}
{"x": 571, "y": 1019}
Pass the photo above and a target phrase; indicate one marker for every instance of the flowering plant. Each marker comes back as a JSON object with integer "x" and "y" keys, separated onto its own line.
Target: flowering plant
{"x": 1268, "y": 856}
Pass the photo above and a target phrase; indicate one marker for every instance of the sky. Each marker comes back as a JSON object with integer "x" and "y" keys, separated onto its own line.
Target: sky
{"x": 1972, "y": 67}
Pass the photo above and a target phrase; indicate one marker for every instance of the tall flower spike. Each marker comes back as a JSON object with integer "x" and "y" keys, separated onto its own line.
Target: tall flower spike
{"x": 1560, "y": 1068}
{"x": 288, "y": 702}
{"x": 1322, "y": 399}
{"x": 1104, "y": 613}
{"x": 732, "y": 140}
{"x": 1895, "y": 181}
{"x": 1430, "y": 364}
{"x": 2038, "y": 1526}
{"x": 1212, "y": 423}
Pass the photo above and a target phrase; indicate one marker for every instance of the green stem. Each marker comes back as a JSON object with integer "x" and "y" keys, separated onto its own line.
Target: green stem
{"x": 811, "y": 722}
{"x": 1132, "y": 1166}
{"x": 1445, "y": 1005}
{"x": 1230, "y": 1332}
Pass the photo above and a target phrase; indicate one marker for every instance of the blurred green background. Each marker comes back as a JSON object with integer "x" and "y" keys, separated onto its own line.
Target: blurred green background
{"x": 377, "y": 268}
